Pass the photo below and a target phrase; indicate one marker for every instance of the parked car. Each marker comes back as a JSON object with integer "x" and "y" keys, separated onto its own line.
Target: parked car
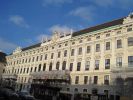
{"x": 9, "y": 94}
{"x": 25, "y": 95}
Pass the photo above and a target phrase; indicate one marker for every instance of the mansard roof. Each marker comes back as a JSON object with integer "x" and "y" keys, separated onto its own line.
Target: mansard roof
{"x": 32, "y": 46}
{"x": 98, "y": 27}
{"x": 87, "y": 30}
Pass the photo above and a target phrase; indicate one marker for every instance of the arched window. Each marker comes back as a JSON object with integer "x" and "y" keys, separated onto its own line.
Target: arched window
{"x": 64, "y": 65}
{"x": 50, "y": 67}
{"x": 57, "y": 65}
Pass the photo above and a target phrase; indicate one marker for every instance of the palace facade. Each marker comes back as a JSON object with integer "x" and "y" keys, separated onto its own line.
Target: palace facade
{"x": 93, "y": 57}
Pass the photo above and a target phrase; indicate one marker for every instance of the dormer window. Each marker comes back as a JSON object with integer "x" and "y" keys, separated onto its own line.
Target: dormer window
{"x": 107, "y": 35}
{"x": 129, "y": 29}
{"x": 97, "y": 37}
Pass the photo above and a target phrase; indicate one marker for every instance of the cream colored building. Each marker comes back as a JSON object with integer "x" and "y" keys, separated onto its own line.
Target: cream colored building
{"x": 94, "y": 56}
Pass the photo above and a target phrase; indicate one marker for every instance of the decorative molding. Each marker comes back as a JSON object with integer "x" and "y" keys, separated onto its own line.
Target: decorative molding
{"x": 107, "y": 55}
{"x": 119, "y": 54}
{"x": 128, "y": 19}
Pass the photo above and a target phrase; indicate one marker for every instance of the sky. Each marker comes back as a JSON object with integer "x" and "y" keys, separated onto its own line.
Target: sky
{"x": 25, "y": 22}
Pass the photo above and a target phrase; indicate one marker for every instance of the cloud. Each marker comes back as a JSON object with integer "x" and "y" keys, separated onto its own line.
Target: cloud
{"x": 56, "y": 2}
{"x": 42, "y": 36}
{"x": 19, "y": 21}
{"x": 123, "y": 4}
{"x": 60, "y": 29}
{"x": 86, "y": 13}
{"x": 6, "y": 45}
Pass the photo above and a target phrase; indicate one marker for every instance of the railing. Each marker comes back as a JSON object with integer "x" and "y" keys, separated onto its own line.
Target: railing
{"x": 9, "y": 76}
{"x": 54, "y": 74}
{"x": 122, "y": 68}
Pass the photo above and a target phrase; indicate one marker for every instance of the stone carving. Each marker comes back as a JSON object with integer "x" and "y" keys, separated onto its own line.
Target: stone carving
{"x": 107, "y": 55}
{"x": 128, "y": 19}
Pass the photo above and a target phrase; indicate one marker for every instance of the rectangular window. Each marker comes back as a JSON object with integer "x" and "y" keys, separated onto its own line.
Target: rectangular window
{"x": 59, "y": 54}
{"x": 65, "y": 53}
{"x": 88, "y": 49}
{"x": 107, "y": 63}
{"x": 96, "y": 64}
{"x": 35, "y": 69}
{"x": 71, "y": 66}
{"x": 37, "y": 58}
{"x": 85, "y": 79}
{"x": 77, "y": 80}
{"x": 78, "y": 66}
{"x": 119, "y": 44}
{"x": 130, "y": 60}
{"x": 106, "y": 79}
{"x": 41, "y": 57}
{"x": 80, "y": 51}
{"x": 119, "y": 61}
{"x": 72, "y": 52}
{"x": 52, "y": 55}
{"x": 87, "y": 65}
{"x": 46, "y": 57}
{"x": 107, "y": 45}
{"x": 31, "y": 69}
{"x": 97, "y": 47}
{"x": 129, "y": 29}
{"x": 130, "y": 41}
{"x": 95, "y": 79}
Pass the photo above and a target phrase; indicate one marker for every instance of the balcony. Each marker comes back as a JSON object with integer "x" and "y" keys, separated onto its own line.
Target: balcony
{"x": 121, "y": 68}
{"x": 9, "y": 76}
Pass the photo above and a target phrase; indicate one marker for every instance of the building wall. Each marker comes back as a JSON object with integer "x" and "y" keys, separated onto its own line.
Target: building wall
{"x": 22, "y": 60}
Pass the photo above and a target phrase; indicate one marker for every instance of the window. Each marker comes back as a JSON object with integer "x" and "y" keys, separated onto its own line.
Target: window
{"x": 78, "y": 66}
{"x": 129, "y": 29}
{"x": 77, "y": 80}
{"x": 68, "y": 89}
{"x": 107, "y": 45}
{"x": 66, "y": 44}
{"x": 106, "y": 79}
{"x": 35, "y": 69}
{"x": 57, "y": 65}
{"x": 97, "y": 37}
{"x": 88, "y": 49}
{"x": 95, "y": 79}
{"x": 130, "y": 41}
{"x": 59, "y": 53}
{"x": 73, "y": 43}
{"x": 24, "y": 70}
{"x": 50, "y": 67}
{"x": 107, "y": 35}
{"x": 76, "y": 90}
{"x": 130, "y": 60}
{"x": 27, "y": 70}
{"x": 80, "y": 41}
{"x": 107, "y": 63}
{"x": 97, "y": 47}
{"x": 39, "y": 69}
{"x": 72, "y": 52}
{"x": 64, "y": 65}
{"x": 37, "y": 58}
{"x": 71, "y": 66}
{"x": 119, "y": 44}
{"x": 33, "y": 59}
{"x": 45, "y": 56}
{"x": 119, "y": 61}
{"x": 31, "y": 69}
{"x": 80, "y": 51}
{"x": 118, "y": 32}
{"x": 87, "y": 65}
{"x": 85, "y": 90}
{"x": 65, "y": 53}
{"x": 44, "y": 66}
{"x": 96, "y": 64}
{"x": 85, "y": 79}
{"x": 52, "y": 55}
{"x": 41, "y": 57}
